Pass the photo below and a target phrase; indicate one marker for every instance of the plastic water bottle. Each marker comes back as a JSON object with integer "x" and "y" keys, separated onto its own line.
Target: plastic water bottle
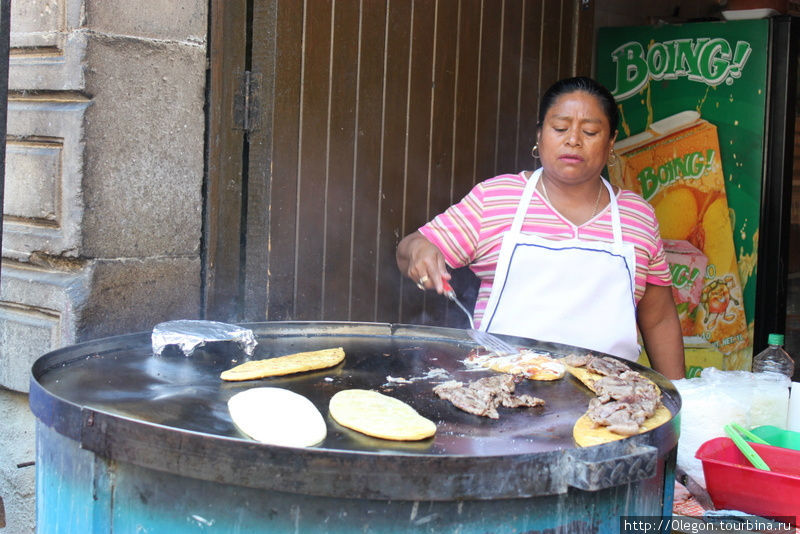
{"x": 774, "y": 358}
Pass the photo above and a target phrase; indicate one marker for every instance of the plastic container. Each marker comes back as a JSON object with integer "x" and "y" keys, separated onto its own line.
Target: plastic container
{"x": 734, "y": 484}
{"x": 777, "y": 437}
{"x": 717, "y": 398}
{"x": 774, "y": 358}
{"x": 793, "y": 417}
{"x": 769, "y": 400}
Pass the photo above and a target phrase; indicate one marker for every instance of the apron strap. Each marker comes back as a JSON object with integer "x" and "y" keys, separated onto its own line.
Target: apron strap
{"x": 616, "y": 221}
{"x": 524, "y": 202}
{"x": 512, "y": 236}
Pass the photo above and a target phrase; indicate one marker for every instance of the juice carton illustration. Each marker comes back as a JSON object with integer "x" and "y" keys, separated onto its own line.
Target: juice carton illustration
{"x": 675, "y": 165}
{"x": 687, "y": 265}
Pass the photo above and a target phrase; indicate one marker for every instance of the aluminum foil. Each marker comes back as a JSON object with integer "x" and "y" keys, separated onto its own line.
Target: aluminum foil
{"x": 190, "y": 334}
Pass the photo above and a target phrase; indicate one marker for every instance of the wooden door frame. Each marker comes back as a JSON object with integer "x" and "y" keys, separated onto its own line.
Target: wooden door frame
{"x": 223, "y": 184}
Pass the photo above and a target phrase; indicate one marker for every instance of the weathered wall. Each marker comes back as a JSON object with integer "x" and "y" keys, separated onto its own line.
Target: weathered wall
{"x": 103, "y": 207}
{"x": 16, "y": 473}
{"x": 643, "y": 12}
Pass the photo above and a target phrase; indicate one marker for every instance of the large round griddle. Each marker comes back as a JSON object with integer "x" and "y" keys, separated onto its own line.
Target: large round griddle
{"x": 169, "y": 412}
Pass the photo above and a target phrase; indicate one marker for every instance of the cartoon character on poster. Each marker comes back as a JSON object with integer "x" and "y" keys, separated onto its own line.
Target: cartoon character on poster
{"x": 692, "y": 105}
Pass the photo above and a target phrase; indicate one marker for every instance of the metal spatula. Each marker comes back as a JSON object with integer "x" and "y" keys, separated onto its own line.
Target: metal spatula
{"x": 485, "y": 339}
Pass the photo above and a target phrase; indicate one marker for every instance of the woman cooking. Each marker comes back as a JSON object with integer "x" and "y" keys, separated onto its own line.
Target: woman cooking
{"x": 561, "y": 254}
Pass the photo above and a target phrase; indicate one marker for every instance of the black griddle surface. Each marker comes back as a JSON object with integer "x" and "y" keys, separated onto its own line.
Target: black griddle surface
{"x": 185, "y": 392}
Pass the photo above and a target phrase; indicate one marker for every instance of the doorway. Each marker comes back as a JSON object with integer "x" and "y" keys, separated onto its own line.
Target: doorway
{"x": 337, "y": 127}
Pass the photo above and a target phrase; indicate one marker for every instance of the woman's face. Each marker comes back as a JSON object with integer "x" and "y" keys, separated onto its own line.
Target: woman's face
{"x": 575, "y": 139}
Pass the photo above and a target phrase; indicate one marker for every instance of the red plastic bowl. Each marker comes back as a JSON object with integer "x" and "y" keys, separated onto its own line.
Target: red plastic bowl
{"x": 734, "y": 484}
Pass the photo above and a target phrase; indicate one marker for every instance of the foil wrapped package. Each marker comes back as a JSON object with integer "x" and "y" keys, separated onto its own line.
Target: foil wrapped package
{"x": 191, "y": 334}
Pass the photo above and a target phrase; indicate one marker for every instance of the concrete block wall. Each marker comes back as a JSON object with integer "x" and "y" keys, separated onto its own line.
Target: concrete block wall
{"x": 16, "y": 483}
{"x": 103, "y": 192}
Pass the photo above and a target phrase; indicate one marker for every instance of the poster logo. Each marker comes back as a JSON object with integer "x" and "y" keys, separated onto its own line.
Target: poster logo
{"x": 703, "y": 60}
{"x": 691, "y": 166}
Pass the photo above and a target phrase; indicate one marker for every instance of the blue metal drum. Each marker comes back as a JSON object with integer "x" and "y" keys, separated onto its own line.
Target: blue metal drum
{"x": 129, "y": 441}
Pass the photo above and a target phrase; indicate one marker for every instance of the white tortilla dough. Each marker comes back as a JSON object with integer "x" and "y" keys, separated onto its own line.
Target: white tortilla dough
{"x": 277, "y": 416}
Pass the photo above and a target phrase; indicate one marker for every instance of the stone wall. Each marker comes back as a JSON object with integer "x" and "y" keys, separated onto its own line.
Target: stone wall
{"x": 103, "y": 191}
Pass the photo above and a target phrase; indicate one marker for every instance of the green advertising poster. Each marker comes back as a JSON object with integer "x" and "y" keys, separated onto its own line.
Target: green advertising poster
{"x": 692, "y": 101}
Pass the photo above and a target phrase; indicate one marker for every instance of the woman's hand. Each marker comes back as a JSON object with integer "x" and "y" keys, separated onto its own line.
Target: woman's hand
{"x": 661, "y": 331}
{"x": 422, "y": 262}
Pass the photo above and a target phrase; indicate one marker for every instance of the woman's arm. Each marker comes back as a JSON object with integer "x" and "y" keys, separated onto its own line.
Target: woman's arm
{"x": 661, "y": 331}
{"x": 417, "y": 258}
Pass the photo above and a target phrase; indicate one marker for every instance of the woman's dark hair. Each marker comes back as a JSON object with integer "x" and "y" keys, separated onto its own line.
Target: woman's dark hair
{"x": 587, "y": 85}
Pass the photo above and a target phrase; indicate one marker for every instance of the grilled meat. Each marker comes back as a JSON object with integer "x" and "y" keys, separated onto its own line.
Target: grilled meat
{"x": 483, "y": 396}
{"x": 607, "y": 366}
{"x": 577, "y": 360}
{"x": 624, "y": 398}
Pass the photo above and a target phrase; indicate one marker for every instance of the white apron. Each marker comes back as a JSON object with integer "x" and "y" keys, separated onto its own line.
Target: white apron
{"x": 574, "y": 291}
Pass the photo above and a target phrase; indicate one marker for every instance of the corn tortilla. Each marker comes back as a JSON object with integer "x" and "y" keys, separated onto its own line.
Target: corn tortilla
{"x": 531, "y": 365}
{"x": 285, "y": 365}
{"x": 379, "y": 415}
{"x": 586, "y": 377}
{"x": 586, "y": 433}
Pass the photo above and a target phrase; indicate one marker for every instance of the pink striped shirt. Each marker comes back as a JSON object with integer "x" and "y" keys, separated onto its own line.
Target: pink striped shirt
{"x": 471, "y": 231}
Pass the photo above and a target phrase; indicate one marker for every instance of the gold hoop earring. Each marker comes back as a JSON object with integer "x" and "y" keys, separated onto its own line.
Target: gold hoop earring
{"x": 613, "y": 162}
{"x": 535, "y": 151}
